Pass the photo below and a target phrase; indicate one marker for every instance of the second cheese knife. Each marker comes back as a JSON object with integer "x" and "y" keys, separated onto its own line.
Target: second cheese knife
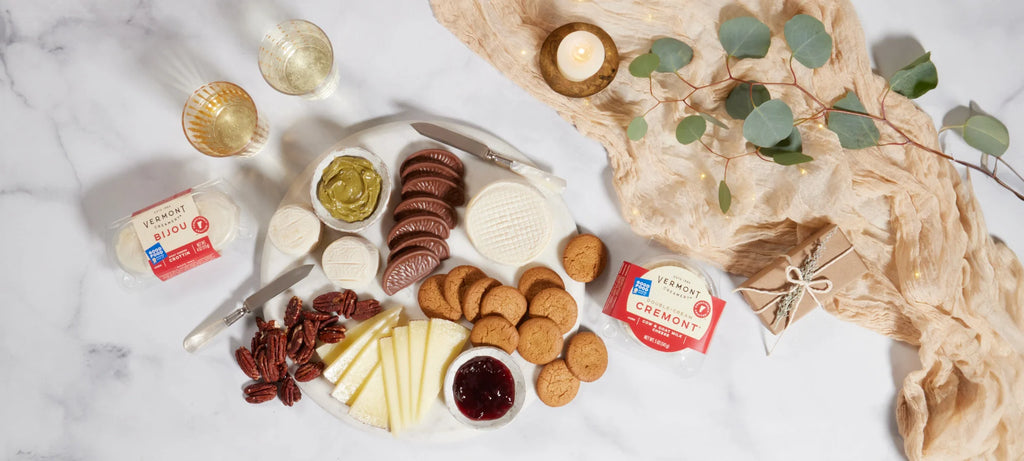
{"x": 537, "y": 177}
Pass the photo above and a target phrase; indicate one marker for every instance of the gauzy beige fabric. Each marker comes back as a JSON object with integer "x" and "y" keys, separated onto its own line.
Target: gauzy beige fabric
{"x": 936, "y": 278}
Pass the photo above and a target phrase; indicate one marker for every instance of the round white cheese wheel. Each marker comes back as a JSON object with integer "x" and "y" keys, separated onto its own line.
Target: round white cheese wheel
{"x": 294, "y": 230}
{"x": 350, "y": 260}
{"x": 509, "y": 222}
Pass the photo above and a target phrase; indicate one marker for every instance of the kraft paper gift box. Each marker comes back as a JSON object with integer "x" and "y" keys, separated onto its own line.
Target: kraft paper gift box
{"x": 804, "y": 277}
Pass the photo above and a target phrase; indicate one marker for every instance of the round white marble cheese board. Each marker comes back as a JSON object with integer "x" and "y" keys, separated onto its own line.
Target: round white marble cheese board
{"x": 393, "y": 142}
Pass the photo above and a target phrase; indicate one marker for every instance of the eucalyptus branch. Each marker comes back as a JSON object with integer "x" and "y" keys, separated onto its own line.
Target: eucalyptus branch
{"x": 769, "y": 124}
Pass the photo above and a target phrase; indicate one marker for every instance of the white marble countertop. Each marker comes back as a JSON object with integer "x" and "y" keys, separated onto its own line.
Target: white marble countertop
{"x": 91, "y": 96}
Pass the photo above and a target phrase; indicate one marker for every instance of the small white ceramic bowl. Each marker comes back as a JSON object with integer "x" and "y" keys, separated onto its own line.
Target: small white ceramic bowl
{"x": 382, "y": 201}
{"x": 517, "y": 378}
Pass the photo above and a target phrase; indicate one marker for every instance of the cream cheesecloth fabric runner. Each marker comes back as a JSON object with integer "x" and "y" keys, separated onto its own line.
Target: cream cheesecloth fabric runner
{"x": 936, "y": 278}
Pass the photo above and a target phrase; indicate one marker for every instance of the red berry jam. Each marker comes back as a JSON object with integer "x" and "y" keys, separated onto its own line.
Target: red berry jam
{"x": 484, "y": 389}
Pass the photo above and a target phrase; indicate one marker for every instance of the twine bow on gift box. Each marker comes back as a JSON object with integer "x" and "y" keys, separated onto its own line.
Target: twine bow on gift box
{"x": 800, "y": 281}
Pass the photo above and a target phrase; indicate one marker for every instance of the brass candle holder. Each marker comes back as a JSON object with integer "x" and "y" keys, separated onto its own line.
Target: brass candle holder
{"x": 549, "y": 62}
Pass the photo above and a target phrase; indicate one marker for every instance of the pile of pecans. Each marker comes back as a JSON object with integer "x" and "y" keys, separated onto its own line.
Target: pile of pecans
{"x": 265, "y": 361}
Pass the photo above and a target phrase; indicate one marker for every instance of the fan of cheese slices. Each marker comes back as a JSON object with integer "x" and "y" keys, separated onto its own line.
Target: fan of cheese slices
{"x": 390, "y": 375}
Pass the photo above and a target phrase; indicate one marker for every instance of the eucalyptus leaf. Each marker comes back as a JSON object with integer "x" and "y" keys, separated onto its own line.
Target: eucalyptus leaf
{"x": 745, "y": 37}
{"x": 791, "y": 158}
{"x": 792, "y": 143}
{"x": 724, "y": 197}
{"x": 644, "y": 64}
{"x": 811, "y": 44}
{"x": 691, "y": 129}
{"x": 986, "y": 134}
{"x": 916, "y": 78}
{"x": 742, "y": 99}
{"x": 673, "y": 54}
{"x": 768, "y": 123}
{"x": 854, "y": 131}
{"x": 714, "y": 121}
{"x": 637, "y": 129}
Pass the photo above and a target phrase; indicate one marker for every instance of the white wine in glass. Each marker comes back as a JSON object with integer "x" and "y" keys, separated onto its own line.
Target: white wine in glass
{"x": 297, "y": 58}
{"x": 220, "y": 120}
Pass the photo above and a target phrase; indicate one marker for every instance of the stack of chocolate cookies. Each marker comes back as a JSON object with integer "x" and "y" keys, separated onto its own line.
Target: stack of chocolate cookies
{"x": 432, "y": 186}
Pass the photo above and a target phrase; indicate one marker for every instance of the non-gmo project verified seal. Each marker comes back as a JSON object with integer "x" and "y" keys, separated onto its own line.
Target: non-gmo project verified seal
{"x": 642, "y": 287}
{"x": 156, "y": 253}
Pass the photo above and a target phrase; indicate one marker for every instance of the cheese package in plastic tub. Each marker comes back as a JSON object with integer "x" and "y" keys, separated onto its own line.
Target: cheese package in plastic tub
{"x": 178, "y": 233}
{"x": 663, "y": 310}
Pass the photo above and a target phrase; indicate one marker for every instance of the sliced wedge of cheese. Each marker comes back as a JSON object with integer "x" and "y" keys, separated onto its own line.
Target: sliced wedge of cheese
{"x": 445, "y": 340}
{"x": 389, "y": 374}
{"x": 417, "y": 350}
{"x": 370, "y": 404}
{"x": 339, "y": 358}
{"x": 401, "y": 335}
{"x": 359, "y": 370}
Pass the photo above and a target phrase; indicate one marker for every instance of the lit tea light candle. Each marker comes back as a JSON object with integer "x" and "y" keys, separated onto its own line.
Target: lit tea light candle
{"x": 578, "y": 60}
{"x": 580, "y": 56}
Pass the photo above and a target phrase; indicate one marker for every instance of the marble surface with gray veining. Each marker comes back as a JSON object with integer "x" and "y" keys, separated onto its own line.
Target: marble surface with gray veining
{"x": 90, "y": 104}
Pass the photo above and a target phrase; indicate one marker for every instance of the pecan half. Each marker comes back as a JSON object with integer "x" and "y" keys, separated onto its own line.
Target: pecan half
{"x": 291, "y": 313}
{"x": 328, "y": 302}
{"x": 348, "y": 303}
{"x": 309, "y": 371}
{"x": 265, "y": 326}
{"x": 309, "y": 328}
{"x": 295, "y": 343}
{"x": 265, "y": 365}
{"x": 331, "y": 333}
{"x": 317, "y": 316}
{"x": 366, "y": 309}
{"x": 276, "y": 346}
{"x": 304, "y": 354}
{"x": 288, "y": 392}
{"x": 260, "y": 392}
{"x": 247, "y": 362}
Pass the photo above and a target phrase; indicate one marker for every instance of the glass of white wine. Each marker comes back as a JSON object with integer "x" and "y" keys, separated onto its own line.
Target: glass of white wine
{"x": 296, "y": 58}
{"x": 220, "y": 120}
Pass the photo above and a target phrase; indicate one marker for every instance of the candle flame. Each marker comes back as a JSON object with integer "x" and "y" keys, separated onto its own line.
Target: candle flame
{"x": 582, "y": 53}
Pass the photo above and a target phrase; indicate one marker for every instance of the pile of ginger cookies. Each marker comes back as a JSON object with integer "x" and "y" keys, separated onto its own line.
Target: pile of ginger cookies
{"x": 531, "y": 317}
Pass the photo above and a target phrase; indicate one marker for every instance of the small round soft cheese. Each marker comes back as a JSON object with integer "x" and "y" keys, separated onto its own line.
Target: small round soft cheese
{"x": 129, "y": 251}
{"x": 350, "y": 260}
{"x": 294, "y": 230}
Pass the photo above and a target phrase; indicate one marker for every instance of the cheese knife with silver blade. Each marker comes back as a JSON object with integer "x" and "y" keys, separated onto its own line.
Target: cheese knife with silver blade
{"x": 536, "y": 176}
{"x": 206, "y": 331}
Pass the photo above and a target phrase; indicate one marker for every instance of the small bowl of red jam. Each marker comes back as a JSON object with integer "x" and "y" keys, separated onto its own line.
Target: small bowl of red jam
{"x": 484, "y": 388}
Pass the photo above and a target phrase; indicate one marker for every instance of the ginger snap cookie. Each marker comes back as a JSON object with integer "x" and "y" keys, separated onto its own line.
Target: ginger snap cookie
{"x": 495, "y": 330}
{"x": 556, "y": 385}
{"x": 555, "y": 304}
{"x": 432, "y": 300}
{"x": 505, "y": 301}
{"x": 587, "y": 357}
{"x": 457, "y": 281}
{"x": 540, "y": 341}
{"x": 474, "y": 295}
{"x": 538, "y": 278}
{"x": 584, "y": 258}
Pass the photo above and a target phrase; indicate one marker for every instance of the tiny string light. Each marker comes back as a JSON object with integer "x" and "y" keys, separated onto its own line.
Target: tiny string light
{"x": 917, "y": 274}
{"x": 803, "y": 171}
{"x": 522, "y": 52}
{"x": 702, "y": 176}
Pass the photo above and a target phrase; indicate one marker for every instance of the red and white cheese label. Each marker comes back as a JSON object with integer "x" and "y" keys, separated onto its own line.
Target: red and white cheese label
{"x": 668, "y": 308}
{"x": 174, "y": 235}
